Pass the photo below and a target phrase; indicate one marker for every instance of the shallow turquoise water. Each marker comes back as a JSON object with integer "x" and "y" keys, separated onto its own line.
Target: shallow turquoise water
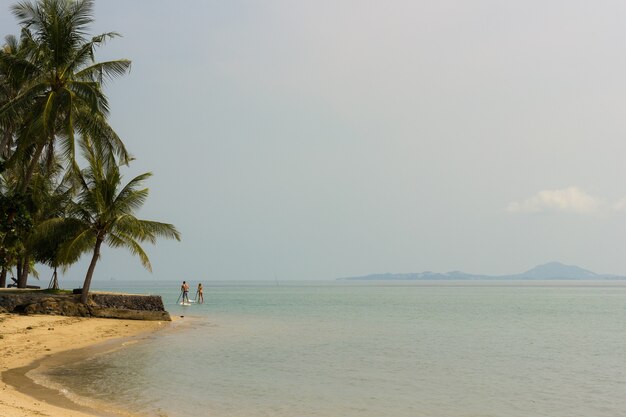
{"x": 375, "y": 349}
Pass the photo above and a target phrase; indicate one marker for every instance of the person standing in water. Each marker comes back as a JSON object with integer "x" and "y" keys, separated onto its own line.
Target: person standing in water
{"x": 199, "y": 294}
{"x": 185, "y": 289}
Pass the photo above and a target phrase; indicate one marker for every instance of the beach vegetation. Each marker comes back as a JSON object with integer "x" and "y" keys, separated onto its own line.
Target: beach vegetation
{"x": 51, "y": 195}
{"x": 104, "y": 212}
{"x": 15, "y": 224}
{"x": 52, "y": 102}
{"x": 59, "y": 93}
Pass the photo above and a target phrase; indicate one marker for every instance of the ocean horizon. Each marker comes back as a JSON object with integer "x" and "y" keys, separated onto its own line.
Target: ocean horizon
{"x": 328, "y": 348}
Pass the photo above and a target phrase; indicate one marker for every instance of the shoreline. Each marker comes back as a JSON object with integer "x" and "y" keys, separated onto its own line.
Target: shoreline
{"x": 30, "y": 342}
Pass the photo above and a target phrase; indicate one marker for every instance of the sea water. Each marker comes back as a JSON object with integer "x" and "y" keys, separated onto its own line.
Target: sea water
{"x": 397, "y": 349}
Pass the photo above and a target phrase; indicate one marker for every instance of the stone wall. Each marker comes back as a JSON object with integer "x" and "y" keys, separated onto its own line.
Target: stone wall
{"x": 137, "y": 307}
{"x": 129, "y": 302}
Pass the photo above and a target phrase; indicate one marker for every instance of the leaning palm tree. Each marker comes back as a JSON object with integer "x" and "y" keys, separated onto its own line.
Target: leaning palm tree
{"x": 104, "y": 210}
{"x": 62, "y": 95}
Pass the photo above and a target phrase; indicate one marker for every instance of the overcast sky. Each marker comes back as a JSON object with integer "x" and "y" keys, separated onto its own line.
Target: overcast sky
{"x": 323, "y": 139}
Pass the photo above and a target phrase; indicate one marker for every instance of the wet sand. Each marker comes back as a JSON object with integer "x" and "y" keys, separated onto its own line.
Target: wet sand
{"x": 27, "y": 342}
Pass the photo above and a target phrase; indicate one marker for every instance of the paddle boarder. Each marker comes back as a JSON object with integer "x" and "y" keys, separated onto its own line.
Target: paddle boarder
{"x": 185, "y": 289}
{"x": 199, "y": 294}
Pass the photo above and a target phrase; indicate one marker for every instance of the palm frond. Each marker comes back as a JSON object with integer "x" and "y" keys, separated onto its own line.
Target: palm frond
{"x": 84, "y": 55}
{"x": 123, "y": 240}
{"x": 96, "y": 127}
{"x": 69, "y": 150}
{"x": 104, "y": 71}
{"x": 76, "y": 246}
{"x": 130, "y": 197}
{"x": 16, "y": 68}
{"x": 25, "y": 12}
{"x": 90, "y": 94}
{"x": 81, "y": 14}
{"x": 146, "y": 230}
{"x": 159, "y": 229}
{"x": 21, "y": 104}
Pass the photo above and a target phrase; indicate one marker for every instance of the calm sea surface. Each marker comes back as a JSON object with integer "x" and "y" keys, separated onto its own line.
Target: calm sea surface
{"x": 344, "y": 349}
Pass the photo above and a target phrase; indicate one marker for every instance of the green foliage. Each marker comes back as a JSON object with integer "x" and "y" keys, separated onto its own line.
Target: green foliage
{"x": 51, "y": 102}
{"x": 58, "y": 84}
{"x": 51, "y": 196}
{"x": 15, "y": 223}
{"x": 104, "y": 209}
{"x": 15, "y": 215}
{"x": 104, "y": 212}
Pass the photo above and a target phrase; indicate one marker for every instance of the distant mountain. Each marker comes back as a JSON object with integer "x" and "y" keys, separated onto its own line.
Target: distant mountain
{"x": 551, "y": 270}
{"x": 557, "y": 270}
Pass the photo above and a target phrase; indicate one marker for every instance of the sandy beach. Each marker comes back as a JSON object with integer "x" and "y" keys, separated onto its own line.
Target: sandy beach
{"x": 25, "y": 340}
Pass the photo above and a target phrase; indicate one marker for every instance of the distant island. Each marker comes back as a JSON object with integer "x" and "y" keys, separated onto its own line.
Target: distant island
{"x": 551, "y": 270}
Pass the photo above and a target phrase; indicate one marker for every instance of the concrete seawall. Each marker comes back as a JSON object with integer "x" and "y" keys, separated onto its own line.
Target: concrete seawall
{"x": 105, "y": 305}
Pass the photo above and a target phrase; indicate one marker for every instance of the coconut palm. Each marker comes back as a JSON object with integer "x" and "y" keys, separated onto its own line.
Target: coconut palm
{"x": 62, "y": 94}
{"x": 51, "y": 196}
{"x": 11, "y": 83}
{"x": 103, "y": 212}
{"x": 15, "y": 210}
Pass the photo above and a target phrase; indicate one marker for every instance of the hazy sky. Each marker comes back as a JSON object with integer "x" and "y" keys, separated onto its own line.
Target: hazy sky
{"x": 322, "y": 139}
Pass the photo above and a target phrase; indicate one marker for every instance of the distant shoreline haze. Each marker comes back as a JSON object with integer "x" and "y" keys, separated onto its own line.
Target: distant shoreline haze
{"x": 548, "y": 271}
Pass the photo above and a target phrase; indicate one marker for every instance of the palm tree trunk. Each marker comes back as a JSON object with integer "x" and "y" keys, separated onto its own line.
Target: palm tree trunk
{"x": 18, "y": 267}
{"x": 22, "y": 279}
{"x": 31, "y": 168}
{"x": 92, "y": 266}
{"x": 4, "y": 270}
{"x": 4, "y": 145}
{"x": 54, "y": 282}
{"x": 3, "y": 277}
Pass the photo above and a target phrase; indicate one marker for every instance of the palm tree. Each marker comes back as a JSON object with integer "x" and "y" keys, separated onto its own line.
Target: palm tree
{"x": 51, "y": 196}
{"x": 11, "y": 83}
{"x": 104, "y": 212}
{"x": 13, "y": 75}
{"x": 62, "y": 93}
{"x": 15, "y": 223}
